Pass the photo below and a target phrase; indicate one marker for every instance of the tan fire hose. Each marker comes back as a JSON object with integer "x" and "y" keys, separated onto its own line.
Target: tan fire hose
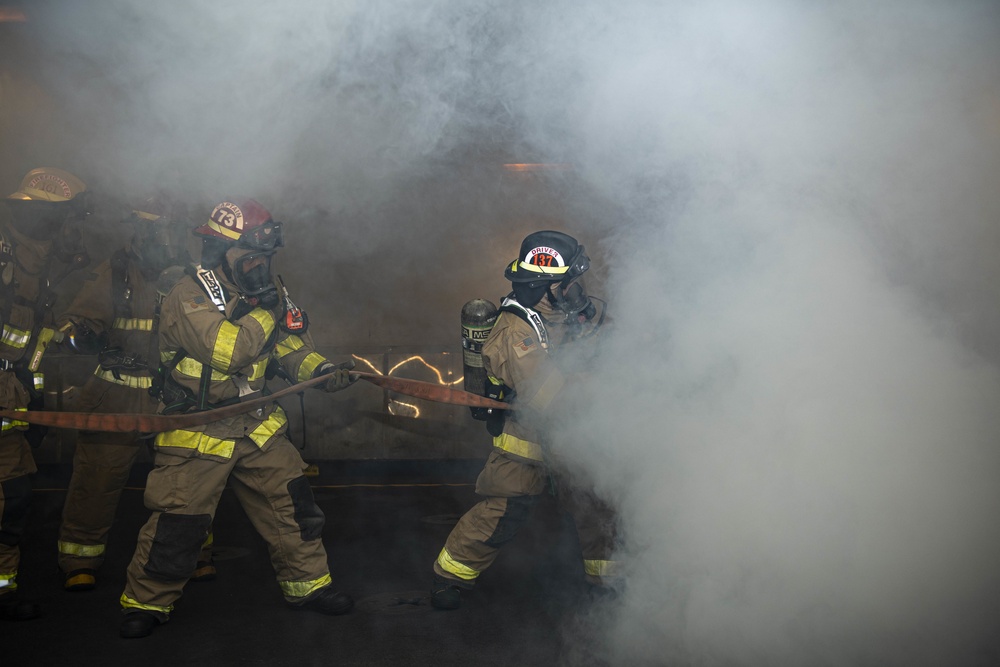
{"x": 144, "y": 423}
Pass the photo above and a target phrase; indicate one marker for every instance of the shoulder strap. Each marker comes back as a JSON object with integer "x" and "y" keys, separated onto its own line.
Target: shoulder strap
{"x": 121, "y": 291}
{"x": 510, "y": 305}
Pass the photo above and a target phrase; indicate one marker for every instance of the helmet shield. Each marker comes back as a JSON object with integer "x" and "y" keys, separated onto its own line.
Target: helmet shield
{"x": 39, "y": 219}
{"x": 267, "y": 236}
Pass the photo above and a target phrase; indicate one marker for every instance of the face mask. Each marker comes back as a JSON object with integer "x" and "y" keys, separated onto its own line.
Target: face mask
{"x": 155, "y": 248}
{"x": 572, "y": 301}
{"x": 251, "y": 271}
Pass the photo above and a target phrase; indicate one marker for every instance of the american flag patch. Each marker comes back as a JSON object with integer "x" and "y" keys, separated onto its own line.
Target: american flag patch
{"x": 525, "y": 346}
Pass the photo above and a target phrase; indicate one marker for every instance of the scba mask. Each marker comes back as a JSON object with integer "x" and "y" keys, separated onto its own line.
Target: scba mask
{"x": 251, "y": 272}
{"x": 157, "y": 246}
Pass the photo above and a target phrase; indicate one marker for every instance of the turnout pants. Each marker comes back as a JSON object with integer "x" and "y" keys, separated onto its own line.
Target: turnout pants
{"x": 183, "y": 494}
{"x": 511, "y": 487}
{"x": 101, "y": 466}
{"x": 16, "y": 466}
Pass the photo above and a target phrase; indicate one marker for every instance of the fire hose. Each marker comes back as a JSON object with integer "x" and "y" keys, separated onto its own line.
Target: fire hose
{"x": 146, "y": 423}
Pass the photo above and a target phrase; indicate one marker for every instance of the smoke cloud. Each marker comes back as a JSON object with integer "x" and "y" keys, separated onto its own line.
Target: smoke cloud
{"x": 795, "y": 210}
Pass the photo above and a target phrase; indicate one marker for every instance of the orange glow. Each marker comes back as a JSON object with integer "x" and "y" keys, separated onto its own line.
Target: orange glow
{"x": 537, "y": 166}
{"x": 415, "y": 410}
{"x": 12, "y": 15}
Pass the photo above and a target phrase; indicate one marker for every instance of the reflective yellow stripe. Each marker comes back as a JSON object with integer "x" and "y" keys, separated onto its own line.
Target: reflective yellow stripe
{"x": 132, "y": 324}
{"x": 523, "y": 448}
{"x": 225, "y": 345}
{"x": 209, "y": 541}
{"x": 452, "y": 566}
{"x": 14, "y": 337}
{"x": 7, "y": 424}
{"x": 39, "y": 381}
{"x": 133, "y": 381}
{"x": 191, "y": 368}
{"x": 309, "y": 365}
{"x": 301, "y": 589}
{"x": 550, "y": 270}
{"x": 268, "y": 427}
{"x": 258, "y": 370}
{"x": 225, "y": 231}
{"x": 287, "y": 346}
{"x": 601, "y": 568}
{"x": 265, "y": 319}
{"x": 82, "y": 550}
{"x": 198, "y": 441}
{"x": 128, "y": 603}
{"x": 8, "y": 580}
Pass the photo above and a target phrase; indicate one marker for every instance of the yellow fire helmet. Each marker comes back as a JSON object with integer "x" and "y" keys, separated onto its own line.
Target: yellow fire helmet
{"x": 48, "y": 184}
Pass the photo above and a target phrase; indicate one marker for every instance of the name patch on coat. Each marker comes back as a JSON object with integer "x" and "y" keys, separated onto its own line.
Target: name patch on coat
{"x": 524, "y": 347}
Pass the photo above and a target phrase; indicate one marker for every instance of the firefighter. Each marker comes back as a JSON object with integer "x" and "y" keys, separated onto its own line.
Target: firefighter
{"x": 45, "y": 214}
{"x": 221, "y": 327}
{"x": 531, "y": 353}
{"x": 114, "y": 316}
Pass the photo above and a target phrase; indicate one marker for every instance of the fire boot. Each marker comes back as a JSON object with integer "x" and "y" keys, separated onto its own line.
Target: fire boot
{"x": 15, "y": 608}
{"x": 327, "y": 601}
{"x": 204, "y": 571}
{"x": 80, "y": 580}
{"x": 138, "y": 624}
{"x": 445, "y": 594}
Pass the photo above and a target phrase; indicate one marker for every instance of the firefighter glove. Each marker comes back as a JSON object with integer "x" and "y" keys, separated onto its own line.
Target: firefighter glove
{"x": 339, "y": 376}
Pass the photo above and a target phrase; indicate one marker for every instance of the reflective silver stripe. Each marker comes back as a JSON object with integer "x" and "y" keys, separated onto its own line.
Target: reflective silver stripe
{"x": 15, "y": 337}
{"x": 38, "y": 379}
{"x": 132, "y": 324}
{"x": 134, "y": 381}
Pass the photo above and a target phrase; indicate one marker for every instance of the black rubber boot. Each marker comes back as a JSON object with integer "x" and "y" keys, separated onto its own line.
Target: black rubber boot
{"x": 445, "y": 595}
{"x": 328, "y": 601}
{"x": 138, "y": 624}
{"x": 14, "y": 608}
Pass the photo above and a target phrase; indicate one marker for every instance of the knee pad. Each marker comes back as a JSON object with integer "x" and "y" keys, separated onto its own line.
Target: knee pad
{"x": 517, "y": 512}
{"x": 16, "y": 501}
{"x": 176, "y": 545}
{"x": 308, "y": 515}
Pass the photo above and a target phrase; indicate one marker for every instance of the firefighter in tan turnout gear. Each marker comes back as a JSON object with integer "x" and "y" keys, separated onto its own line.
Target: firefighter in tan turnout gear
{"x": 539, "y": 323}
{"x": 114, "y": 316}
{"x": 45, "y": 215}
{"x": 220, "y": 327}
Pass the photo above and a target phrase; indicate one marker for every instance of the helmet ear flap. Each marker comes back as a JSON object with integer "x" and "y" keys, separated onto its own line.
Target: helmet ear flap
{"x": 529, "y": 294}
{"x": 213, "y": 251}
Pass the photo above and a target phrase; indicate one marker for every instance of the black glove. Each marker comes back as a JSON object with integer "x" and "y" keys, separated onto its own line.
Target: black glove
{"x": 340, "y": 376}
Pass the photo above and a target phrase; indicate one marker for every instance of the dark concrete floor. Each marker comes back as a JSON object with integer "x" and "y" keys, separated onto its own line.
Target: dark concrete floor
{"x": 385, "y": 523}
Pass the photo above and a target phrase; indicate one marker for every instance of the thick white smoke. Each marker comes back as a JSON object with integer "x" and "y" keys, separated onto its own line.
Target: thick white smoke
{"x": 796, "y": 207}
